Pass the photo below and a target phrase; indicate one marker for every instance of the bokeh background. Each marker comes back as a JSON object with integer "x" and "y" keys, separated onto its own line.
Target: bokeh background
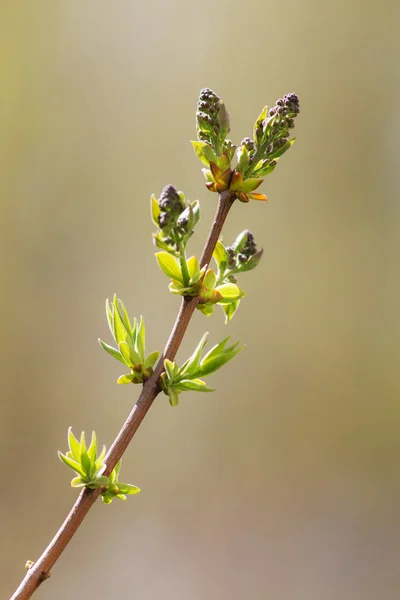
{"x": 283, "y": 484}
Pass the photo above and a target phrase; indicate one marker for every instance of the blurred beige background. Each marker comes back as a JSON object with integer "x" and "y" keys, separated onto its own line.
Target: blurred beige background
{"x": 284, "y": 484}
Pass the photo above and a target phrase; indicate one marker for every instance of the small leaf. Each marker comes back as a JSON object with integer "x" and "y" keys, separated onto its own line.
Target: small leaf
{"x": 173, "y": 396}
{"x": 194, "y": 385}
{"x": 75, "y": 466}
{"x": 251, "y": 184}
{"x": 210, "y": 279}
{"x": 113, "y": 351}
{"x": 169, "y": 369}
{"x": 256, "y": 129}
{"x": 282, "y": 149}
{"x": 150, "y": 360}
{"x": 92, "y": 450}
{"x": 74, "y": 446}
{"x": 220, "y": 256}
{"x": 206, "y": 309}
{"x": 230, "y": 309}
{"x": 127, "y": 378}
{"x": 229, "y": 293}
{"x": 86, "y": 464}
{"x": 127, "y": 488}
{"x": 78, "y": 482}
{"x": 218, "y": 360}
{"x": 169, "y": 266}
{"x": 243, "y": 157}
{"x": 131, "y": 357}
{"x": 193, "y": 268}
{"x": 192, "y": 364}
{"x": 155, "y": 210}
{"x": 125, "y": 317}
{"x": 141, "y": 339}
{"x": 120, "y": 332}
{"x": 109, "y": 317}
{"x": 204, "y": 152}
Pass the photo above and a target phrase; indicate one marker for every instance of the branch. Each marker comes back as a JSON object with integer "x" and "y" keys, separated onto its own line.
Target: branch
{"x": 41, "y": 569}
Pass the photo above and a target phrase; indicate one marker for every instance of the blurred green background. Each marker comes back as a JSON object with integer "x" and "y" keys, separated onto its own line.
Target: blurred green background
{"x": 283, "y": 484}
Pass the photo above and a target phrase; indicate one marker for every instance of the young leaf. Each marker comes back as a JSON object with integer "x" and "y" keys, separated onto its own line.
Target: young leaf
{"x": 173, "y": 396}
{"x": 127, "y": 378}
{"x": 120, "y": 332}
{"x": 155, "y": 210}
{"x": 150, "y": 360}
{"x": 131, "y": 357}
{"x": 204, "y": 152}
{"x": 195, "y": 385}
{"x": 169, "y": 369}
{"x": 169, "y": 266}
{"x": 114, "y": 353}
{"x": 75, "y": 466}
{"x": 74, "y": 446}
{"x": 141, "y": 339}
{"x": 92, "y": 450}
{"x": 109, "y": 317}
{"x": 192, "y": 364}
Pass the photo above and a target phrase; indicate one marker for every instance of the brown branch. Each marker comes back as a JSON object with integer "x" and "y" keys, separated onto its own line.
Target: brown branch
{"x": 41, "y": 569}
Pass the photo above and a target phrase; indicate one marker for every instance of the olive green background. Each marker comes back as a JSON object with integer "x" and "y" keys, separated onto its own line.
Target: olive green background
{"x": 284, "y": 483}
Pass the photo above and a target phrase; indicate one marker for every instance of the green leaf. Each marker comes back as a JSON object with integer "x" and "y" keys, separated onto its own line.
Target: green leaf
{"x": 141, "y": 339}
{"x": 220, "y": 256}
{"x": 243, "y": 157}
{"x": 256, "y": 129}
{"x": 169, "y": 266}
{"x": 230, "y": 309}
{"x": 151, "y": 359}
{"x": 74, "y": 446}
{"x": 113, "y": 351}
{"x": 194, "y": 269}
{"x": 86, "y": 464}
{"x": 206, "y": 309}
{"x": 109, "y": 317}
{"x": 267, "y": 170}
{"x": 252, "y": 262}
{"x": 194, "y": 385}
{"x": 173, "y": 396}
{"x": 125, "y": 317}
{"x": 131, "y": 357}
{"x": 82, "y": 444}
{"x": 127, "y": 488}
{"x": 192, "y": 364}
{"x": 230, "y": 292}
{"x": 127, "y": 378}
{"x": 169, "y": 369}
{"x": 210, "y": 365}
{"x": 210, "y": 279}
{"x": 204, "y": 152}
{"x": 251, "y": 184}
{"x": 75, "y": 466}
{"x": 92, "y": 450}
{"x": 99, "y": 462}
{"x": 155, "y": 210}
{"x": 120, "y": 332}
{"x": 78, "y": 482}
{"x": 282, "y": 149}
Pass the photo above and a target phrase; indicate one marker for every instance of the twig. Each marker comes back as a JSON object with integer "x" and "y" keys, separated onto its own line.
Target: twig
{"x": 41, "y": 569}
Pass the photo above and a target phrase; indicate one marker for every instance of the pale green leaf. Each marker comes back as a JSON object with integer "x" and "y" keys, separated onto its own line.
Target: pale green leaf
{"x": 127, "y": 378}
{"x": 113, "y": 351}
{"x": 170, "y": 266}
{"x": 204, "y": 152}
{"x": 131, "y": 357}
{"x": 74, "y": 445}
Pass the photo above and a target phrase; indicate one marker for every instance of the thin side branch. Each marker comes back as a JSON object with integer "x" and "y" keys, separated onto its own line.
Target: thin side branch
{"x": 41, "y": 569}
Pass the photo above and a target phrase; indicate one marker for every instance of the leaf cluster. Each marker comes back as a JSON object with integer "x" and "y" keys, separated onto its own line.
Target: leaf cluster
{"x": 130, "y": 342}
{"x": 177, "y": 379}
{"x": 89, "y": 467}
